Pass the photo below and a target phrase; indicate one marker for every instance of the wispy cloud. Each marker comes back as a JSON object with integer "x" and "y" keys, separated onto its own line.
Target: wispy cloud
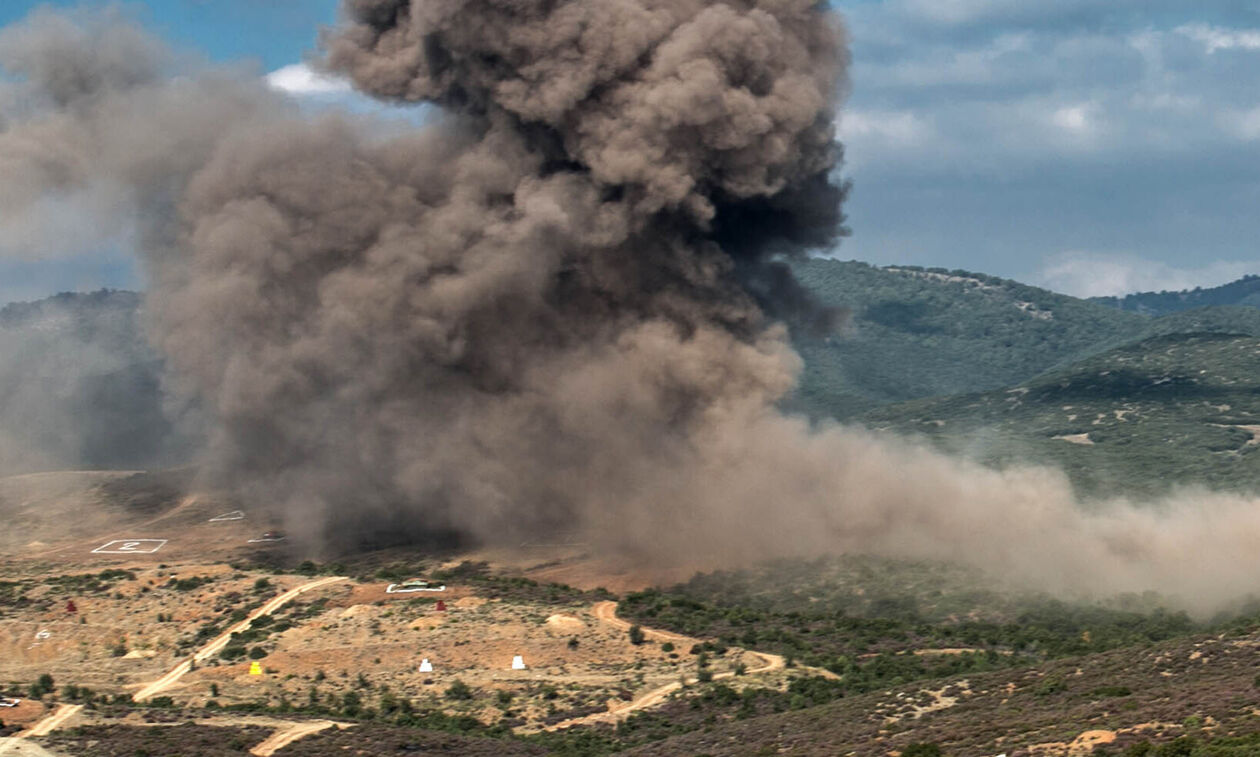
{"x": 981, "y": 133}
{"x": 1219, "y": 38}
{"x": 1086, "y": 274}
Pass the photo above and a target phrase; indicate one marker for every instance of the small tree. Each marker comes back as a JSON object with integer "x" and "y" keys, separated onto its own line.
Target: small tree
{"x": 458, "y": 690}
{"x": 351, "y": 704}
{"x": 636, "y": 635}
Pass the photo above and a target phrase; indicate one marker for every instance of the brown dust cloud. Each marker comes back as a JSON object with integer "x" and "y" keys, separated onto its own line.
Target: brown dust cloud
{"x": 560, "y": 304}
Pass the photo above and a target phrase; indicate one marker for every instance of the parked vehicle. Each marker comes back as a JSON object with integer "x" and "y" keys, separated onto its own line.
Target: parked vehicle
{"x": 413, "y": 584}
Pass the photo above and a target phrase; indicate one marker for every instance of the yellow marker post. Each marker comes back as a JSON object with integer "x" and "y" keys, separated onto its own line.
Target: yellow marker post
{"x": 255, "y": 669}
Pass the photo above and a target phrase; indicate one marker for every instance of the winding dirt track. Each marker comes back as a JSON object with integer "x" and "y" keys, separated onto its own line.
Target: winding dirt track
{"x": 221, "y": 641}
{"x": 606, "y": 612}
{"x": 282, "y": 738}
{"x": 52, "y": 722}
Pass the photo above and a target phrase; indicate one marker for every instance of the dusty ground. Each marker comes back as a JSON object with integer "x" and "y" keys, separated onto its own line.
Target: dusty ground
{"x": 139, "y": 614}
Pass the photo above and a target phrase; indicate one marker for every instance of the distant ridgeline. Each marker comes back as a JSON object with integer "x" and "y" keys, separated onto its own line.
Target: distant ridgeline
{"x": 1245, "y": 291}
{"x": 1128, "y": 395}
{"x": 80, "y": 387}
{"x": 1126, "y": 402}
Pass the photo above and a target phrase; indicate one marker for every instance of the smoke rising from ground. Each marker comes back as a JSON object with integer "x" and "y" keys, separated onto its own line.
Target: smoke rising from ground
{"x": 79, "y": 387}
{"x": 559, "y": 306}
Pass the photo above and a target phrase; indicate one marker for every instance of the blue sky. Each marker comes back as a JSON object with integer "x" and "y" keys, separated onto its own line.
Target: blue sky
{"x": 1094, "y": 146}
{"x": 272, "y": 32}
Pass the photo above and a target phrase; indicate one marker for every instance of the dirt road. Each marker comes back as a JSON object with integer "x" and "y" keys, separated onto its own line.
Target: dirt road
{"x": 52, "y": 722}
{"x": 606, "y": 612}
{"x": 221, "y": 641}
{"x": 285, "y": 736}
{"x": 18, "y": 747}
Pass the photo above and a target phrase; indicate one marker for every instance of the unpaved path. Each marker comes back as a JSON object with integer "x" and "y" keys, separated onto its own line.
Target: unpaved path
{"x": 221, "y": 641}
{"x": 14, "y": 746}
{"x": 285, "y": 736}
{"x": 52, "y": 722}
{"x": 606, "y": 612}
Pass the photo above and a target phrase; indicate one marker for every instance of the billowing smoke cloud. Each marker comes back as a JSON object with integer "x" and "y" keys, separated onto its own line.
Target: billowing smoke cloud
{"x": 79, "y": 387}
{"x": 522, "y": 317}
{"x": 559, "y": 307}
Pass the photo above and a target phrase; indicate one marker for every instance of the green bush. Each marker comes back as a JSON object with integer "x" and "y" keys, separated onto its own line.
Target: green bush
{"x": 1051, "y": 686}
{"x": 460, "y": 691}
{"x": 921, "y": 749}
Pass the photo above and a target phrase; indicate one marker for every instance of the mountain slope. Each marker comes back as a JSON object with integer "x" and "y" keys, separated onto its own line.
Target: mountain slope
{"x": 917, "y": 333}
{"x": 79, "y": 387}
{"x": 1174, "y": 408}
{"x": 1244, "y": 291}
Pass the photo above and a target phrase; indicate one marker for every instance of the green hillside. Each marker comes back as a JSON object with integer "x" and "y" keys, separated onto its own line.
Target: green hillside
{"x": 917, "y": 333}
{"x": 1173, "y": 408}
{"x": 1244, "y": 291}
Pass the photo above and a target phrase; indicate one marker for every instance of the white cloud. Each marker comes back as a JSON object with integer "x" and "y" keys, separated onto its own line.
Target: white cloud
{"x": 1219, "y": 38}
{"x": 1243, "y": 124}
{"x": 1086, "y": 274}
{"x": 1075, "y": 118}
{"x": 893, "y": 128}
{"x": 300, "y": 79}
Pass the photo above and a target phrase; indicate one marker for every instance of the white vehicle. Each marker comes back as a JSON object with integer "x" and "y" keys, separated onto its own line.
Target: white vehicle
{"x": 5, "y": 702}
{"x": 414, "y": 584}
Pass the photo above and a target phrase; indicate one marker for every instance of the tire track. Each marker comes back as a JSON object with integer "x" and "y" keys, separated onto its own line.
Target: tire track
{"x": 606, "y": 612}
{"x": 221, "y": 641}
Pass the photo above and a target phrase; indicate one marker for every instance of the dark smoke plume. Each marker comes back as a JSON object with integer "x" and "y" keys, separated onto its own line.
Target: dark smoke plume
{"x": 556, "y": 308}
{"x": 520, "y": 318}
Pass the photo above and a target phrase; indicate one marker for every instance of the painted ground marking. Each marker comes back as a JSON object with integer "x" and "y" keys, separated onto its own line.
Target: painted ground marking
{"x": 130, "y": 547}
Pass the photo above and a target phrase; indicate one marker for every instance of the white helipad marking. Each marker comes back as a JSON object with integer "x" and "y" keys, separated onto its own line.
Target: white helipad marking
{"x": 234, "y": 515}
{"x": 130, "y": 547}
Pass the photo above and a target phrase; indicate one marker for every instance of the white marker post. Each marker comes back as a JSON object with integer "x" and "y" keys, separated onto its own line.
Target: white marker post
{"x": 518, "y": 662}
{"x": 426, "y": 666}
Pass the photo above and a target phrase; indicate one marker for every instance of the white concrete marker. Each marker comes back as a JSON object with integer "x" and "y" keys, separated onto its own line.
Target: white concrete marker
{"x": 426, "y": 666}
{"x": 518, "y": 662}
{"x": 130, "y": 547}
